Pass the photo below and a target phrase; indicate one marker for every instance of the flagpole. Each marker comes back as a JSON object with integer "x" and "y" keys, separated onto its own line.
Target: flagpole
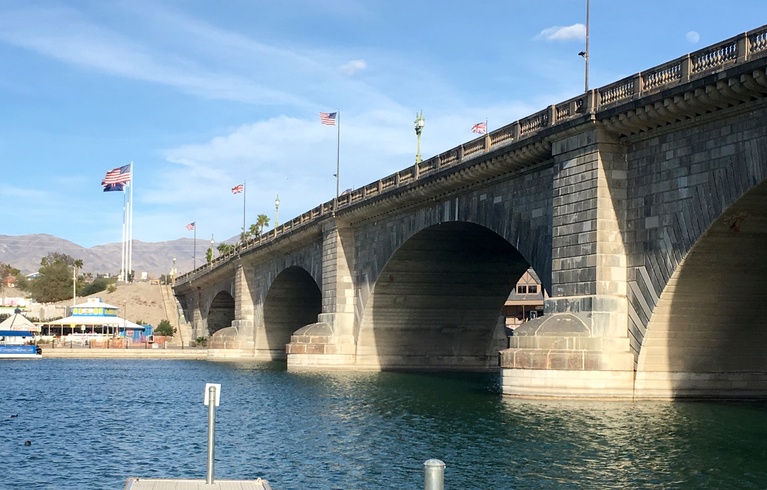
{"x": 130, "y": 223}
{"x": 338, "y": 160}
{"x": 122, "y": 238}
{"x": 194, "y": 253}
{"x": 244, "y": 198}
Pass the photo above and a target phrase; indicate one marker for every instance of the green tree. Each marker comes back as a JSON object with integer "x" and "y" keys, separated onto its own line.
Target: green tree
{"x": 95, "y": 286}
{"x": 262, "y": 221}
{"x": 55, "y": 280}
{"x": 57, "y": 271}
{"x": 209, "y": 255}
{"x": 164, "y": 328}
{"x": 6, "y": 271}
{"x": 224, "y": 248}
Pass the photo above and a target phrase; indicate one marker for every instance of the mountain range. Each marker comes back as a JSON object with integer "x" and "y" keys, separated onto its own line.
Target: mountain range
{"x": 26, "y": 251}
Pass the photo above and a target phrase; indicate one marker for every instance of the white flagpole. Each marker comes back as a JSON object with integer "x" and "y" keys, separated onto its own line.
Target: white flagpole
{"x": 244, "y": 193}
{"x": 338, "y": 160}
{"x": 122, "y": 253}
{"x": 130, "y": 223}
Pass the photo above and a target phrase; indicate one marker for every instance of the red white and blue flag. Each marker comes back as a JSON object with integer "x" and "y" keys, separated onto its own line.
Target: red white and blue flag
{"x": 113, "y": 187}
{"x": 190, "y": 226}
{"x": 238, "y": 188}
{"x": 119, "y": 175}
{"x": 480, "y": 128}
{"x": 328, "y": 118}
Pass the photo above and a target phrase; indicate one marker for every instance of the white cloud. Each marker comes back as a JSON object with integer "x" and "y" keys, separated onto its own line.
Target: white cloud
{"x": 568, "y": 33}
{"x": 693, "y": 37}
{"x": 353, "y": 67}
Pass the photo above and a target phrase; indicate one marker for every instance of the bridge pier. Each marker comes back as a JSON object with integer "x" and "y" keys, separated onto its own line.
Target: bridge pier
{"x": 580, "y": 347}
{"x": 329, "y": 343}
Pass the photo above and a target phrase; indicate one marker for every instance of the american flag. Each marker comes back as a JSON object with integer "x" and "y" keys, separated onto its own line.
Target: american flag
{"x": 190, "y": 226}
{"x": 119, "y": 175}
{"x": 480, "y": 128}
{"x": 328, "y": 118}
{"x": 238, "y": 188}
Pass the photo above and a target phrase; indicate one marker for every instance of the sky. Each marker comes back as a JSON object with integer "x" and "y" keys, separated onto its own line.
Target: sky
{"x": 202, "y": 96}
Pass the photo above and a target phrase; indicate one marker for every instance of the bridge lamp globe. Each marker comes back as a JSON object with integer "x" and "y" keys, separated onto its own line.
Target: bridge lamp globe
{"x": 276, "y": 210}
{"x": 419, "y": 123}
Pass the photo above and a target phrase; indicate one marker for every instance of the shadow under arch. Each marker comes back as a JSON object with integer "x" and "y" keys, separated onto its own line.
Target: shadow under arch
{"x": 438, "y": 301}
{"x": 294, "y": 300}
{"x": 707, "y": 337}
{"x": 221, "y": 312}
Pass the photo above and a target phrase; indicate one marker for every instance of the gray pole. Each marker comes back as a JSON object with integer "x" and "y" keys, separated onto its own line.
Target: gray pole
{"x": 434, "y": 475}
{"x": 587, "y": 46}
{"x": 211, "y": 433}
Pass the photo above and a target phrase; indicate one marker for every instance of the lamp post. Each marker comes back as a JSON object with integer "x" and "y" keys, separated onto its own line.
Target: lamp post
{"x": 276, "y": 210}
{"x": 419, "y": 124}
{"x": 585, "y": 53}
{"x": 173, "y": 273}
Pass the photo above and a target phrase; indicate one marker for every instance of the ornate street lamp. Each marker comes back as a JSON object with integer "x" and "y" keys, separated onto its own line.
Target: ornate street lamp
{"x": 419, "y": 123}
{"x": 276, "y": 210}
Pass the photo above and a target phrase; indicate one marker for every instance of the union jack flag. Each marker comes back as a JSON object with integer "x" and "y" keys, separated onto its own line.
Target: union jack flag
{"x": 480, "y": 128}
{"x": 238, "y": 188}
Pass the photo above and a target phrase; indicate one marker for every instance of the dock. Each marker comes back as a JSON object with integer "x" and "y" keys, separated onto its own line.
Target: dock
{"x": 153, "y": 484}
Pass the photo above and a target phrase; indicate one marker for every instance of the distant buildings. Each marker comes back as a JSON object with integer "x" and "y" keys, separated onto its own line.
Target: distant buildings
{"x": 526, "y": 300}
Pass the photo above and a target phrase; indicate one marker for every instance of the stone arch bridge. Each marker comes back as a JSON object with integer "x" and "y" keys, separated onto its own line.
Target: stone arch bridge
{"x": 642, "y": 206}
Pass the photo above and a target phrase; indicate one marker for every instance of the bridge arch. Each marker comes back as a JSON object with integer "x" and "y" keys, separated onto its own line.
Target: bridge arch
{"x": 438, "y": 300}
{"x": 221, "y": 312}
{"x": 293, "y": 300}
{"x": 709, "y": 328}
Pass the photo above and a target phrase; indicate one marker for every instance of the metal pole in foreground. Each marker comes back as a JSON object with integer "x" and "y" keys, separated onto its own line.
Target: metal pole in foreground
{"x": 212, "y": 392}
{"x": 434, "y": 474}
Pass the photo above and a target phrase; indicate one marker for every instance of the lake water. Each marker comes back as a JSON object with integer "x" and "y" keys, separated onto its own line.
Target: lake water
{"x": 94, "y": 423}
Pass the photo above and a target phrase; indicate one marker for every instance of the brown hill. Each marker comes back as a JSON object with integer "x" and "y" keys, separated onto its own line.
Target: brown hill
{"x": 25, "y": 252}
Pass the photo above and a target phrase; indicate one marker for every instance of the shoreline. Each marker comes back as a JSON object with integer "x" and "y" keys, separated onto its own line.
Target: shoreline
{"x": 191, "y": 353}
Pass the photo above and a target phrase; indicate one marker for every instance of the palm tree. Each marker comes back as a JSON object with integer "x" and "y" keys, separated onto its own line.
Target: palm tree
{"x": 262, "y": 221}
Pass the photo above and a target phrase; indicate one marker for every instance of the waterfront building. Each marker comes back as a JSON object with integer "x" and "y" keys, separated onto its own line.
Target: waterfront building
{"x": 525, "y": 301}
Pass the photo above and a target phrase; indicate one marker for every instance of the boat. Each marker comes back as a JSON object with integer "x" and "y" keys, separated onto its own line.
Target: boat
{"x": 19, "y": 344}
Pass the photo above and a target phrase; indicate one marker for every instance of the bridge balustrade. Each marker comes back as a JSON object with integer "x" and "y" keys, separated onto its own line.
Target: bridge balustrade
{"x": 739, "y": 49}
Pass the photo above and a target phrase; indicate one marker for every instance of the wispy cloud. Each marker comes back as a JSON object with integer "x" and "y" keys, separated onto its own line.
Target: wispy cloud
{"x": 353, "y": 67}
{"x": 567, "y": 33}
{"x": 65, "y": 35}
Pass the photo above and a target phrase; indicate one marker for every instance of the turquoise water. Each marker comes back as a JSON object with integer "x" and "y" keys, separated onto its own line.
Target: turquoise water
{"x": 94, "y": 423}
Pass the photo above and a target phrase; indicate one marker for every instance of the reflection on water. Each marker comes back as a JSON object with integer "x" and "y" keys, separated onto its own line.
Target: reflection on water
{"x": 93, "y": 423}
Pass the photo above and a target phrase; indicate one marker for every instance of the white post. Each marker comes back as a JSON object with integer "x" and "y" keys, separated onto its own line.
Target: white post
{"x": 212, "y": 398}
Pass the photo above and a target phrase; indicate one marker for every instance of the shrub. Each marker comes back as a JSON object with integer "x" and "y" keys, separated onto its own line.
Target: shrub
{"x": 164, "y": 328}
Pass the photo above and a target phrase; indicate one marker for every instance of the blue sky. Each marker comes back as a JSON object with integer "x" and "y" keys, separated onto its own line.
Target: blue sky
{"x": 204, "y": 95}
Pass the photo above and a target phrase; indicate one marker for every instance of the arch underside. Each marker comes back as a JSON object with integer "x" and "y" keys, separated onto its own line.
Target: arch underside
{"x": 221, "y": 312}
{"x": 708, "y": 333}
{"x": 438, "y": 301}
{"x": 294, "y": 299}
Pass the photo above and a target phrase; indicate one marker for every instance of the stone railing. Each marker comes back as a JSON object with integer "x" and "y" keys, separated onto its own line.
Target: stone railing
{"x": 737, "y": 50}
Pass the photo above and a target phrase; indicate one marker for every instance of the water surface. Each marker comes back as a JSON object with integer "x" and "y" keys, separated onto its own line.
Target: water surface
{"x": 94, "y": 423}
